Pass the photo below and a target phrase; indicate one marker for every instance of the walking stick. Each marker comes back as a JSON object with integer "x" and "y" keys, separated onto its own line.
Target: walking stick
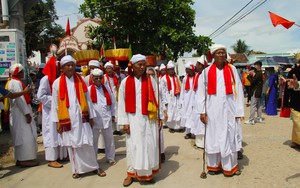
{"x": 159, "y": 121}
{"x": 203, "y": 174}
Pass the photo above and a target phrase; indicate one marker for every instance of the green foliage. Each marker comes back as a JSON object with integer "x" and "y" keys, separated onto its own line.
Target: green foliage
{"x": 158, "y": 27}
{"x": 40, "y": 27}
{"x": 240, "y": 47}
{"x": 203, "y": 44}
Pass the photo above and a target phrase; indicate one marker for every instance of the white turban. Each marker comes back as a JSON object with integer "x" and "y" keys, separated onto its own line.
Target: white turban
{"x": 216, "y": 47}
{"x": 67, "y": 59}
{"x": 15, "y": 69}
{"x": 228, "y": 58}
{"x": 202, "y": 60}
{"x": 108, "y": 64}
{"x": 97, "y": 72}
{"x": 138, "y": 57}
{"x": 94, "y": 63}
{"x": 189, "y": 65}
{"x": 170, "y": 65}
{"x": 162, "y": 66}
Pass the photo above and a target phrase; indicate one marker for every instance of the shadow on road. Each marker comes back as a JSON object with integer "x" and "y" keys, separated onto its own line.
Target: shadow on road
{"x": 293, "y": 176}
{"x": 169, "y": 166}
{"x": 290, "y": 143}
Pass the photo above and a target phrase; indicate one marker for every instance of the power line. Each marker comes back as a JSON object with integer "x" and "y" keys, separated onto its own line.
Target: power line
{"x": 233, "y": 22}
{"x": 240, "y": 18}
{"x": 77, "y": 13}
{"x": 46, "y": 19}
{"x": 230, "y": 18}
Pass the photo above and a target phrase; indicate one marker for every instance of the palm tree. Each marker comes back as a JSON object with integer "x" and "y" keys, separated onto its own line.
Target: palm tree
{"x": 240, "y": 47}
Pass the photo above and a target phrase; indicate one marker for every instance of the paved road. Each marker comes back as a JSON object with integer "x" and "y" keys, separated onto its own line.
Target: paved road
{"x": 268, "y": 162}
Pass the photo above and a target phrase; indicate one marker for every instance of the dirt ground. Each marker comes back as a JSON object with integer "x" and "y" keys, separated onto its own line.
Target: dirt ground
{"x": 268, "y": 162}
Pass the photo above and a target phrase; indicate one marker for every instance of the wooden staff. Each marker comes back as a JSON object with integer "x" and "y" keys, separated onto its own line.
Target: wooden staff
{"x": 203, "y": 174}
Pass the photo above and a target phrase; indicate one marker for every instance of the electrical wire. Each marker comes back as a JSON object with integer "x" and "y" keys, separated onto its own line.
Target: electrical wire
{"x": 230, "y": 18}
{"x": 257, "y": 5}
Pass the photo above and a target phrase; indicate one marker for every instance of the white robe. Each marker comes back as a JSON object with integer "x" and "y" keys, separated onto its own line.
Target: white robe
{"x": 79, "y": 140}
{"x": 186, "y": 103}
{"x": 174, "y": 107}
{"x": 198, "y": 127}
{"x": 103, "y": 122}
{"x": 110, "y": 84}
{"x": 223, "y": 130}
{"x": 23, "y": 134}
{"x": 100, "y": 139}
{"x": 87, "y": 80}
{"x": 51, "y": 138}
{"x": 80, "y": 133}
{"x": 142, "y": 142}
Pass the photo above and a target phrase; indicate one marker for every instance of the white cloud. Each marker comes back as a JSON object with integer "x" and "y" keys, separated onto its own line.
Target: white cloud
{"x": 256, "y": 28}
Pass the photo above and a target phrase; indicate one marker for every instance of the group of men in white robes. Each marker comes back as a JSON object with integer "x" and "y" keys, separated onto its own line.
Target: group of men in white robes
{"x": 208, "y": 104}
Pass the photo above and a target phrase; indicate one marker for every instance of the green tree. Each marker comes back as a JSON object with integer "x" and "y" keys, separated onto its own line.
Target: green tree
{"x": 240, "y": 47}
{"x": 203, "y": 43}
{"x": 40, "y": 27}
{"x": 158, "y": 27}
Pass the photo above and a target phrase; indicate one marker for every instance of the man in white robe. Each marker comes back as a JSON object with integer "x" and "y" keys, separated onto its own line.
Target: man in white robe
{"x": 94, "y": 64}
{"x": 111, "y": 79}
{"x": 51, "y": 139}
{"x": 104, "y": 105}
{"x": 198, "y": 128}
{"x": 152, "y": 72}
{"x": 72, "y": 111}
{"x": 187, "y": 99}
{"x": 162, "y": 72}
{"x": 221, "y": 106}
{"x": 138, "y": 123}
{"x": 22, "y": 127}
{"x": 171, "y": 87}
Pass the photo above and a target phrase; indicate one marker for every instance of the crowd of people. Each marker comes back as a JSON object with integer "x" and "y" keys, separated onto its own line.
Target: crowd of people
{"x": 80, "y": 114}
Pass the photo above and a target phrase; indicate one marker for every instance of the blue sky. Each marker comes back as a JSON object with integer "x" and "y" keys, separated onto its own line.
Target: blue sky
{"x": 256, "y": 28}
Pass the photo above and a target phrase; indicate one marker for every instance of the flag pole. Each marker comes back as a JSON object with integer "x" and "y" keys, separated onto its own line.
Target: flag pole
{"x": 296, "y": 25}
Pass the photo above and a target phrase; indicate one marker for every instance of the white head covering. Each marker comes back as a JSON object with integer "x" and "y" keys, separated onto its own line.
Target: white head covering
{"x": 67, "y": 59}
{"x": 228, "y": 58}
{"x": 97, "y": 72}
{"x": 216, "y": 47}
{"x": 170, "y": 65}
{"x": 126, "y": 70}
{"x": 94, "y": 63}
{"x": 189, "y": 65}
{"x": 15, "y": 69}
{"x": 202, "y": 60}
{"x": 162, "y": 66}
{"x": 156, "y": 68}
{"x": 108, "y": 64}
{"x": 137, "y": 57}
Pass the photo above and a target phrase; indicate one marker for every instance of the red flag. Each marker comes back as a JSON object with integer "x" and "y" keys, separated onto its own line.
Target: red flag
{"x": 279, "y": 20}
{"x": 68, "y": 30}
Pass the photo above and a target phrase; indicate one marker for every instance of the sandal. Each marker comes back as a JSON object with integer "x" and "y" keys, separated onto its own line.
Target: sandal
{"x": 127, "y": 181}
{"x": 100, "y": 172}
{"x": 237, "y": 173}
{"x": 75, "y": 176}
